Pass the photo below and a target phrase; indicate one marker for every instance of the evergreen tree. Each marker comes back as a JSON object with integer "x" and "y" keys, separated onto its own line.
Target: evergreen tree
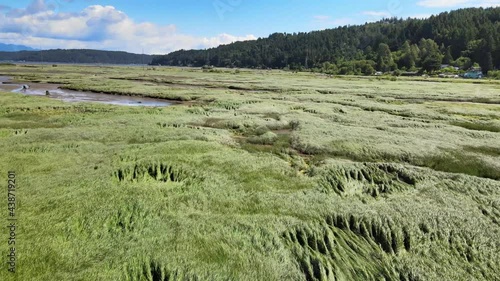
{"x": 430, "y": 55}
{"x": 384, "y": 58}
{"x": 448, "y": 58}
{"x": 415, "y": 52}
{"x": 408, "y": 56}
{"x": 487, "y": 63}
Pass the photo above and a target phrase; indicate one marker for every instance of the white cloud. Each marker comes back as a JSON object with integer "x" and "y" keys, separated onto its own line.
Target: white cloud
{"x": 322, "y": 18}
{"x": 373, "y": 16}
{"x": 97, "y": 27}
{"x": 420, "y": 16}
{"x": 342, "y": 21}
{"x": 378, "y": 14}
{"x": 458, "y": 3}
{"x": 322, "y": 22}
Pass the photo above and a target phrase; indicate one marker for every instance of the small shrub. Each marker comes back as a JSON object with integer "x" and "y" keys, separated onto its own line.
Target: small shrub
{"x": 294, "y": 124}
{"x": 261, "y": 130}
{"x": 268, "y": 139}
{"x": 494, "y": 74}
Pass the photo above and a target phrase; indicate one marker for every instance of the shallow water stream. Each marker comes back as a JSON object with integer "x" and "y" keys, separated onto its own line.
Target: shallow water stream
{"x": 55, "y": 92}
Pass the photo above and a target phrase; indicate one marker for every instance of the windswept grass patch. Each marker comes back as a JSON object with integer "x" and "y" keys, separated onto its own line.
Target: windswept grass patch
{"x": 487, "y": 150}
{"x": 339, "y": 178}
{"x": 479, "y": 126}
{"x": 462, "y": 163}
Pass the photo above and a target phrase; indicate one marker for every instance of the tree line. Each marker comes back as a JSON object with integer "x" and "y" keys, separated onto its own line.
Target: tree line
{"x": 77, "y": 56}
{"x": 461, "y": 38}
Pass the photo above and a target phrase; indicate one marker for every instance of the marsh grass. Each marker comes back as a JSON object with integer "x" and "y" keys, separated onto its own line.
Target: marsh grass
{"x": 487, "y": 150}
{"x": 316, "y": 180}
{"x": 476, "y": 126}
{"x": 462, "y": 163}
{"x": 275, "y": 144}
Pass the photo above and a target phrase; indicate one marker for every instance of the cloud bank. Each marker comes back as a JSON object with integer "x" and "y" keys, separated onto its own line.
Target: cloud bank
{"x": 96, "y": 27}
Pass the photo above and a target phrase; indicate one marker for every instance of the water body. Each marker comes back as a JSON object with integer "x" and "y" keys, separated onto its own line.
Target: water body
{"x": 55, "y": 92}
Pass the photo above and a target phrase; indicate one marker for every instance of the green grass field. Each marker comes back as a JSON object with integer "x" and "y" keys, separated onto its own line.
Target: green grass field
{"x": 257, "y": 175}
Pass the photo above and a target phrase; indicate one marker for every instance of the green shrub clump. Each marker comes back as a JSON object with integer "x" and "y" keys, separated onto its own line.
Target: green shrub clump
{"x": 268, "y": 139}
{"x": 494, "y": 74}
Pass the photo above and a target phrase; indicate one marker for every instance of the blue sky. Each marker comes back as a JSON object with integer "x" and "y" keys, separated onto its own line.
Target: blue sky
{"x": 162, "y": 26}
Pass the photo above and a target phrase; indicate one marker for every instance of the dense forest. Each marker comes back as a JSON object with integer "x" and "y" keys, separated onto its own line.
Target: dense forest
{"x": 77, "y": 56}
{"x": 461, "y": 38}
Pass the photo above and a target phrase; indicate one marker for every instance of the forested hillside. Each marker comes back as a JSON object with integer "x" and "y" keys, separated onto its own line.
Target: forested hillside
{"x": 460, "y": 38}
{"x": 77, "y": 56}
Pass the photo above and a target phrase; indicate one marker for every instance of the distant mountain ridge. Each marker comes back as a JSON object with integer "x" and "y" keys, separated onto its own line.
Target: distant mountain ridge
{"x": 14, "y": 48}
{"x": 77, "y": 56}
